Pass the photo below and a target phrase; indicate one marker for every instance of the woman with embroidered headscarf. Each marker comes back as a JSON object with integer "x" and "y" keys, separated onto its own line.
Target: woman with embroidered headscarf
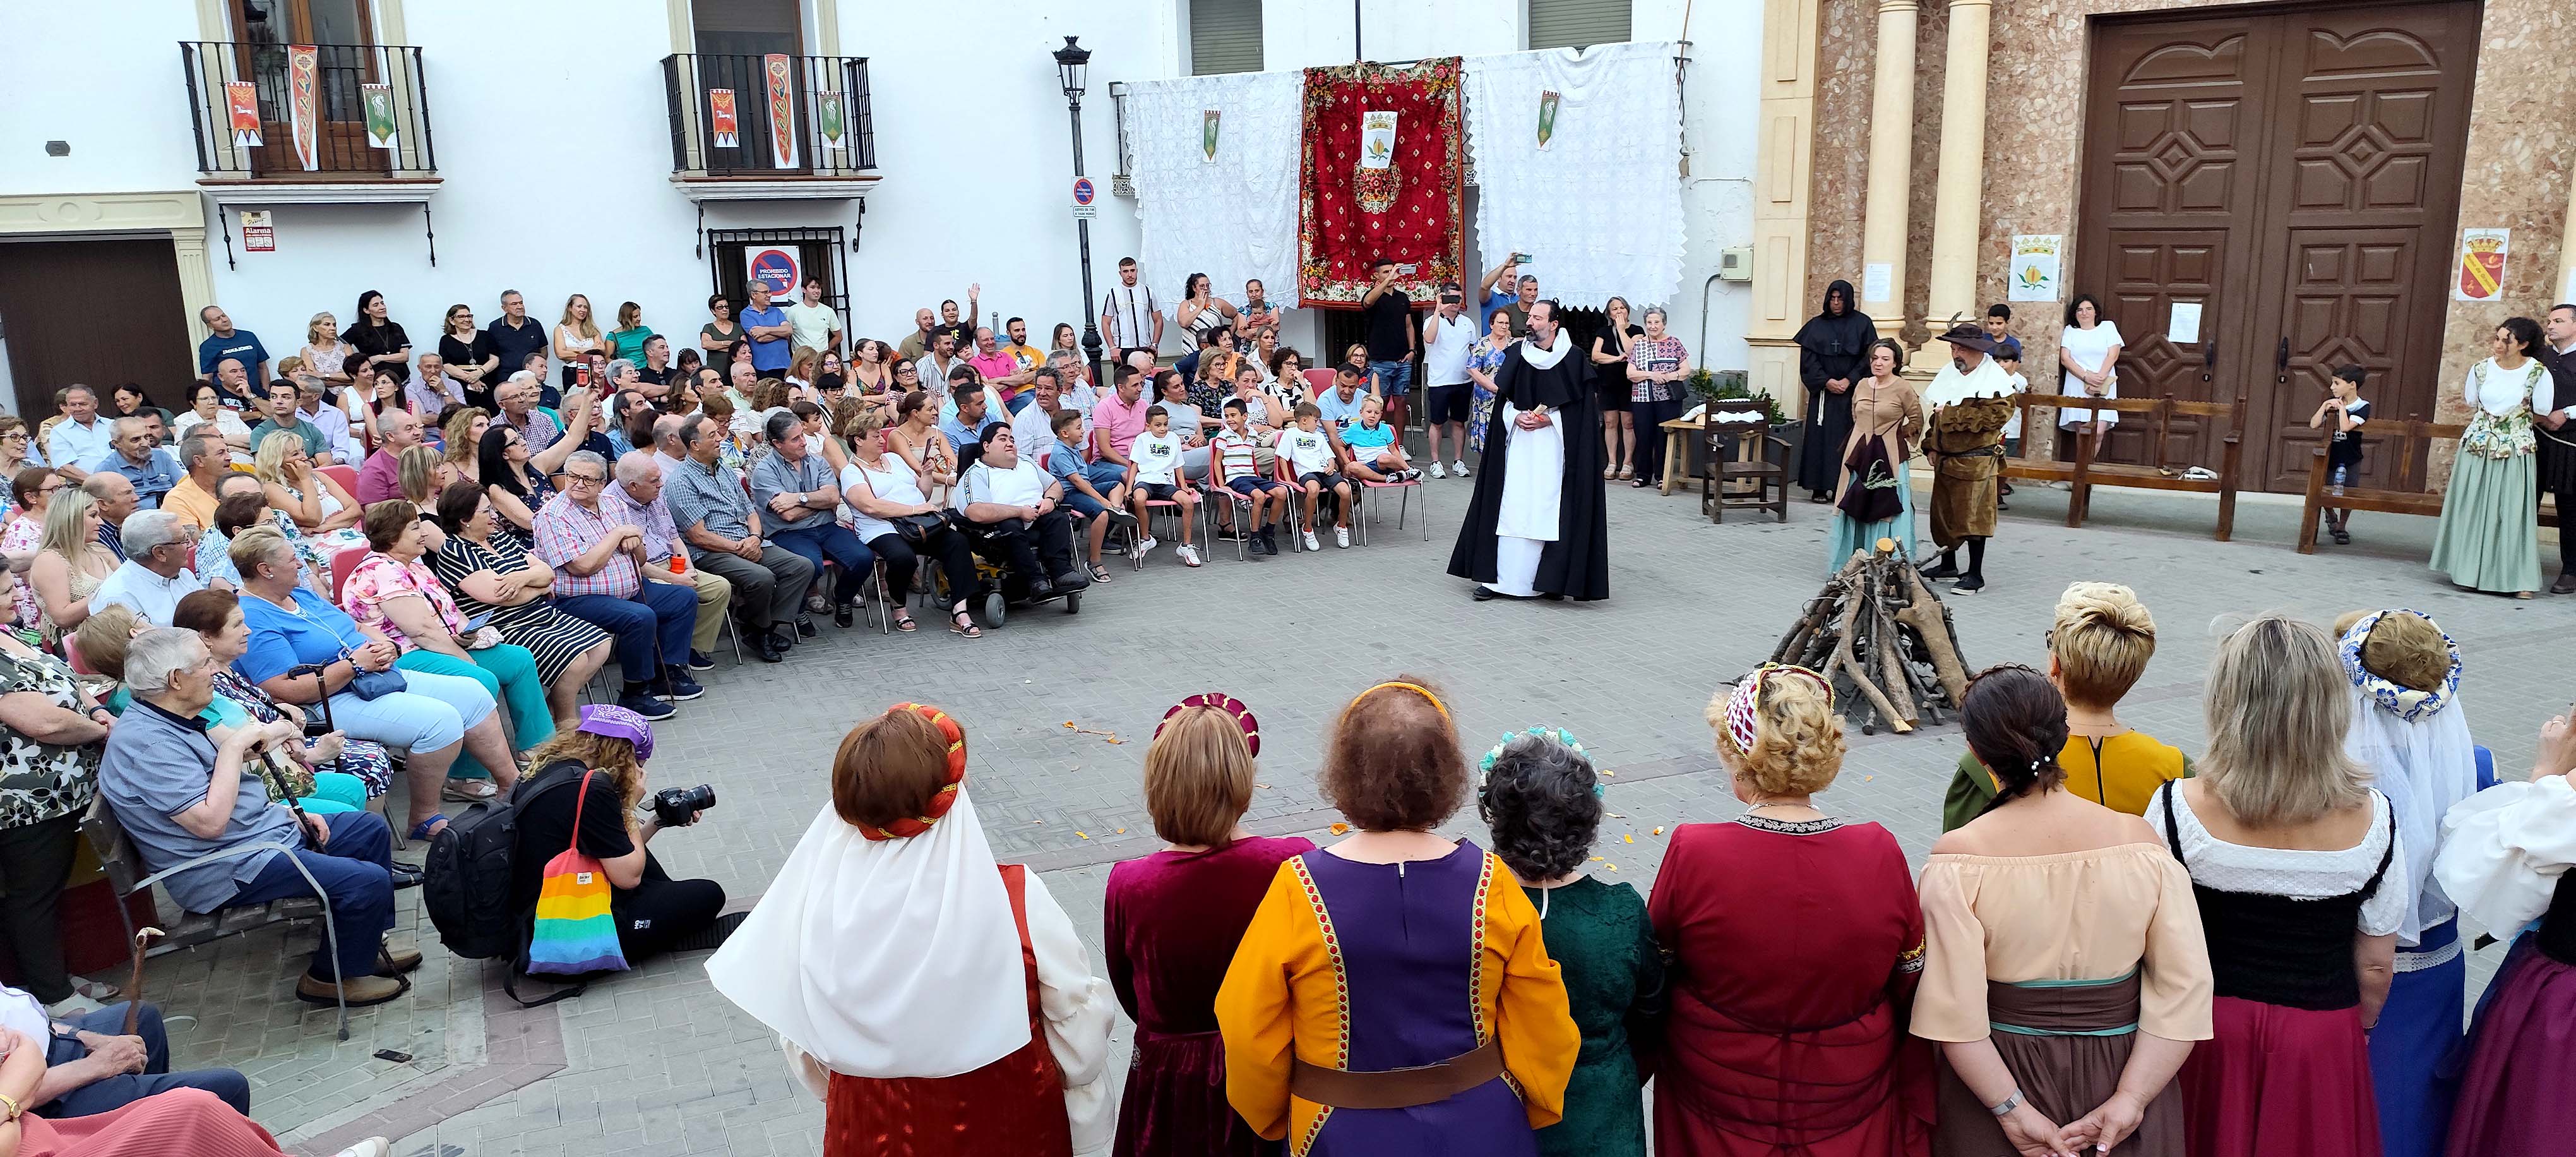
{"x": 1833, "y": 356}
{"x": 1392, "y": 994}
{"x": 1171, "y": 923}
{"x": 1542, "y": 801}
{"x": 1795, "y": 945}
{"x": 2410, "y": 733}
{"x": 937, "y": 1002}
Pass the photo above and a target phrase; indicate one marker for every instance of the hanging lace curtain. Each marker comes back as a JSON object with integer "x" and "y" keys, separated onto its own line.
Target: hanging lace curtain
{"x": 1598, "y": 205}
{"x": 1233, "y": 217}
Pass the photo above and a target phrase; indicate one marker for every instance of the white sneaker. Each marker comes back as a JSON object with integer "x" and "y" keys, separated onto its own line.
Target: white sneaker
{"x": 1145, "y": 546}
{"x": 1311, "y": 544}
{"x": 371, "y": 1147}
{"x": 1189, "y": 554}
{"x": 1342, "y": 537}
{"x": 1459, "y": 468}
{"x": 1436, "y": 471}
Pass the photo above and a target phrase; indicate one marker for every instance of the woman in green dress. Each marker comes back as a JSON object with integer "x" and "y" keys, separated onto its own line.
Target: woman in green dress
{"x": 1542, "y": 801}
{"x": 2490, "y": 534}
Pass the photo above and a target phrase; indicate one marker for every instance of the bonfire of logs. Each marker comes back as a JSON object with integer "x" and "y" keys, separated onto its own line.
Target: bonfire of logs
{"x": 1884, "y": 640}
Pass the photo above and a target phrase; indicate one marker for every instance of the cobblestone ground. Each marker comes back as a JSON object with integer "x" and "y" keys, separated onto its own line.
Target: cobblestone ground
{"x": 653, "y": 1062}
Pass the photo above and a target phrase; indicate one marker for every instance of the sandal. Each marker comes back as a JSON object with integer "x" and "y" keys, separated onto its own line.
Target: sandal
{"x": 1099, "y": 573}
{"x": 468, "y": 791}
{"x": 903, "y": 622}
{"x": 1609, "y": 472}
{"x": 962, "y": 623}
{"x": 1627, "y": 472}
{"x": 429, "y": 828}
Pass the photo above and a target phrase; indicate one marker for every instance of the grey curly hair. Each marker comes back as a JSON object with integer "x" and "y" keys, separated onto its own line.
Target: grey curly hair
{"x": 1538, "y": 801}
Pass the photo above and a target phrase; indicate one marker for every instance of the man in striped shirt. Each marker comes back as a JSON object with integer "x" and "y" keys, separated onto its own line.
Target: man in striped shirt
{"x": 598, "y": 561}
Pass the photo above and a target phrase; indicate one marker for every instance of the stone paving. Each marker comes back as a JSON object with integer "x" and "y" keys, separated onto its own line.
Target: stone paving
{"x": 653, "y": 1062}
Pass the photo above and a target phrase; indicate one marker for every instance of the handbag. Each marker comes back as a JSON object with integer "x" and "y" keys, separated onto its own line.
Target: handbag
{"x": 916, "y": 528}
{"x": 574, "y": 932}
{"x": 373, "y": 685}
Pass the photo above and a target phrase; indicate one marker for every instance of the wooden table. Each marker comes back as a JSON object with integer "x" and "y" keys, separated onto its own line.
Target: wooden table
{"x": 1677, "y": 435}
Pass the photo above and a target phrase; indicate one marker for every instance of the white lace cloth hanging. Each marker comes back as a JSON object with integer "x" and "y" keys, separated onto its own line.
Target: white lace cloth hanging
{"x": 1235, "y": 217}
{"x": 1599, "y": 209}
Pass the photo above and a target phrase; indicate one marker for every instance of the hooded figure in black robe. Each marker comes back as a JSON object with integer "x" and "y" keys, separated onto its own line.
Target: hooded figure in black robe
{"x": 1556, "y": 377}
{"x": 1832, "y": 346}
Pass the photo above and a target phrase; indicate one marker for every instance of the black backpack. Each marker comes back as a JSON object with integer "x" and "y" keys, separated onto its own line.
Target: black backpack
{"x": 466, "y": 880}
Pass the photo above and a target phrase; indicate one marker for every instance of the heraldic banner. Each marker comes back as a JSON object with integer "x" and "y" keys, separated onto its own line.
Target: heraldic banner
{"x": 1381, "y": 176}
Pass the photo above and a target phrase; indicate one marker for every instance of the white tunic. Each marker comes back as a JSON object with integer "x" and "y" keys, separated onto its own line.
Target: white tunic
{"x": 2092, "y": 348}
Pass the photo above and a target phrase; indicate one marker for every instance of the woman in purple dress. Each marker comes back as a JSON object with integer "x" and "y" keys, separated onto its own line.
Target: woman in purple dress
{"x": 1172, "y": 921}
{"x": 1393, "y": 994}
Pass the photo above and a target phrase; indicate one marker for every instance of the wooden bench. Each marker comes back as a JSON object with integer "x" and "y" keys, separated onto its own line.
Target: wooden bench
{"x": 2407, "y": 494}
{"x": 2083, "y": 473}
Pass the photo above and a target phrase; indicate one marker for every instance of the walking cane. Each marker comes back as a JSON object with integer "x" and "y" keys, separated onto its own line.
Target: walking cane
{"x": 134, "y": 984}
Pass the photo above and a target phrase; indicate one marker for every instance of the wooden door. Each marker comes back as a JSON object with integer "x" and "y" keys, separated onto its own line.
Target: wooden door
{"x": 53, "y": 340}
{"x": 2295, "y": 174}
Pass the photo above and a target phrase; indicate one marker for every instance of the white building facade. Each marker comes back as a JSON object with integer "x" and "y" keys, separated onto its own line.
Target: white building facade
{"x": 567, "y": 147}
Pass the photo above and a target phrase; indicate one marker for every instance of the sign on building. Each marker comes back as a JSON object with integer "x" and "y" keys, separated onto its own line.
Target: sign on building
{"x": 774, "y": 267}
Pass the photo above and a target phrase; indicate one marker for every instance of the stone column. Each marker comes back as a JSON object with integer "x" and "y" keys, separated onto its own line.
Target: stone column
{"x": 2565, "y": 289}
{"x": 1960, "y": 190}
{"x": 1782, "y": 172}
{"x": 1891, "y": 148}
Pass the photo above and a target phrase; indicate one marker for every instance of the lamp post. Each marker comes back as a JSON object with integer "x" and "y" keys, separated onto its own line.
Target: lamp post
{"x": 1072, "y": 66}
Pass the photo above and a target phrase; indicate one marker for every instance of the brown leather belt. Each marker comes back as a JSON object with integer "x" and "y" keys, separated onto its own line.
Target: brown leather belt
{"x": 1396, "y": 1088}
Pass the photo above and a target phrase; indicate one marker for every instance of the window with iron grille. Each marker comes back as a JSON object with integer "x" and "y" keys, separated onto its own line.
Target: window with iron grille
{"x": 818, "y": 254}
{"x": 1225, "y": 36}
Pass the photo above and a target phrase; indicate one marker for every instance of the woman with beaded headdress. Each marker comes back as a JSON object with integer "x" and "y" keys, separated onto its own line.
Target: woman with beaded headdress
{"x": 937, "y": 1003}
{"x": 1541, "y": 799}
{"x": 1170, "y": 925}
{"x": 1795, "y": 945}
{"x": 1393, "y": 994}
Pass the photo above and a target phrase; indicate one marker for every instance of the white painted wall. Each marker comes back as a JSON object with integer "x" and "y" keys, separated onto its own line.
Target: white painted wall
{"x": 555, "y": 148}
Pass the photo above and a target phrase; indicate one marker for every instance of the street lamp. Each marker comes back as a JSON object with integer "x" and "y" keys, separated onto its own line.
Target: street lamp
{"x": 1073, "y": 67}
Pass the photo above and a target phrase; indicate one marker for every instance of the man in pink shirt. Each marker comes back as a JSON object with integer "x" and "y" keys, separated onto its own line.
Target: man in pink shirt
{"x": 1000, "y": 369}
{"x": 381, "y": 478}
{"x": 1115, "y": 422}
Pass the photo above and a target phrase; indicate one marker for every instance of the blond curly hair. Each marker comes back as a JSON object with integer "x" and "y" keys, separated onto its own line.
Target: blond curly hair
{"x": 2404, "y": 648}
{"x": 2102, "y": 639}
{"x": 1797, "y": 737}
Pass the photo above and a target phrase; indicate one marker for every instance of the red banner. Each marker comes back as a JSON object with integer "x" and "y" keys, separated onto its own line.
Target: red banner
{"x": 1381, "y": 178}
{"x": 782, "y": 108}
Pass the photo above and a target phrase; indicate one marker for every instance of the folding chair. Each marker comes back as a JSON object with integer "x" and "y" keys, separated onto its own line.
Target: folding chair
{"x": 1404, "y": 495}
{"x": 1295, "y": 519}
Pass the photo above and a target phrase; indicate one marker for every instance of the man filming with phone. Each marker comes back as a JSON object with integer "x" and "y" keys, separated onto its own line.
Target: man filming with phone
{"x": 1510, "y": 290}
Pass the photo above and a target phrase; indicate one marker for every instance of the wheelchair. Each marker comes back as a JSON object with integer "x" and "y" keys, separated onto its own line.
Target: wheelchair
{"x": 998, "y": 590}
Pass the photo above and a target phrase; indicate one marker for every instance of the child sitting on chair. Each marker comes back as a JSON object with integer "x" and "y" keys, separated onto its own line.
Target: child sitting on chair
{"x": 1375, "y": 455}
{"x": 1232, "y": 463}
{"x": 1309, "y": 451}
{"x": 1157, "y": 455}
{"x": 1065, "y": 463}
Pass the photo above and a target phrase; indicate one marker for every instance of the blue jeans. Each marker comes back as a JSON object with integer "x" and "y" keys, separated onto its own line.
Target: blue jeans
{"x": 1104, "y": 474}
{"x": 652, "y": 628}
{"x": 352, "y": 870}
{"x": 1394, "y": 379}
{"x": 126, "y": 1088}
{"x": 830, "y": 540}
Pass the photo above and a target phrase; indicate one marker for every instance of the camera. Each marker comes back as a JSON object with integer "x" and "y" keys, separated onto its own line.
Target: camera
{"x": 676, "y": 806}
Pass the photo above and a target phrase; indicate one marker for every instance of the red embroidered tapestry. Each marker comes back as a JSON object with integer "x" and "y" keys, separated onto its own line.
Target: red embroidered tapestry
{"x": 1382, "y": 176}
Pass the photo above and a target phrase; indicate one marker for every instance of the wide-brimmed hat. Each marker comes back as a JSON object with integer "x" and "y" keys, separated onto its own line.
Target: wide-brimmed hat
{"x": 1972, "y": 336}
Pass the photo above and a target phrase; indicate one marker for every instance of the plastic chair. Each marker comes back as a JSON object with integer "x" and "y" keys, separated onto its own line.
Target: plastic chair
{"x": 1404, "y": 496}
{"x": 346, "y": 476}
{"x": 1319, "y": 379}
{"x": 1153, "y": 506}
{"x": 341, "y": 564}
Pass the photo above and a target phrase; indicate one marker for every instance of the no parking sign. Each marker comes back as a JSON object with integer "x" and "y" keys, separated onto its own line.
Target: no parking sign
{"x": 775, "y": 268}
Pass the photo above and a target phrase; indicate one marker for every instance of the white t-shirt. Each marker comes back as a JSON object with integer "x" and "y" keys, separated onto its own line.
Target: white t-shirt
{"x": 1156, "y": 456}
{"x": 812, "y": 325}
{"x": 1021, "y": 485}
{"x": 2020, "y": 385}
{"x": 1445, "y": 347}
{"x": 1307, "y": 451}
{"x": 2089, "y": 347}
{"x": 892, "y": 481}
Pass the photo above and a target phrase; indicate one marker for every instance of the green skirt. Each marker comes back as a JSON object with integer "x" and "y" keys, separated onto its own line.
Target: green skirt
{"x": 2490, "y": 534}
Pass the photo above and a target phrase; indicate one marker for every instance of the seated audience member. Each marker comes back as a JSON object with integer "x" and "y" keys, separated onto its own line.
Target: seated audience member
{"x": 217, "y": 618}
{"x": 1046, "y": 399}
{"x": 1341, "y": 404}
{"x": 710, "y": 505}
{"x": 550, "y": 440}
{"x": 293, "y": 632}
{"x": 599, "y": 578}
{"x": 1309, "y": 451}
{"x": 898, "y": 521}
{"x": 966, "y": 416}
{"x": 493, "y": 576}
{"x": 1192, "y": 426}
{"x": 50, "y": 732}
{"x": 1264, "y": 411}
{"x": 1538, "y": 798}
{"x": 136, "y": 453}
{"x": 2097, "y": 649}
{"x": 180, "y": 796}
{"x": 890, "y": 915}
{"x": 513, "y": 480}
{"x": 392, "y": 592}
{"x": 1015, "y": 521}
{"x": 460, "y": 446}
{"x": 381, "y": 477}
{"x": 203, "y": 463}
{"x": 189, "y": 1120}
{"x": 1158, "y": 454}
{"x": 1116, "y": 420}
{"x": 1375, "y": 455}
{"x": 239, "y": 504}
{"x": 79, "y": 435}
{"x": 279, "y": 405}
{"x": 116, "y": 500}
{"x": 799, "y": 500}
{"x": 70, "y": 562}
{"x": 584, "y": 788}
{"x": 314, "y": 405}
{"x": 91, "y": 1067}
{"x": 155, "y": 575}
{"x": 915, "y": 436}
{"x": 1233, "y": 465}
{"x": 206, "y": 408}
{"x": 1171, "y": 922}
{"x": 1064, "y": 463}
{"x": 312, "y": 500}
{"x": 634, "y": 496}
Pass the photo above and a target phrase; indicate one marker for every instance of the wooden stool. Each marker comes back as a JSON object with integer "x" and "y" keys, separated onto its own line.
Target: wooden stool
{"x": 1741, "y": 451}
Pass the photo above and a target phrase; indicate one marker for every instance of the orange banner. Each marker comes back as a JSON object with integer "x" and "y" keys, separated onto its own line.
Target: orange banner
{"x": 720, "y": 118}
{"x": 304, "y": 104}
{"x": 241, "y": 97}
{"x": 782, "y": 108}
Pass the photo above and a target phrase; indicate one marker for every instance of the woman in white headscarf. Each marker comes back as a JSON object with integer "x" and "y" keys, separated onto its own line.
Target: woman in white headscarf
{"x": 937, "y": 1003}
{"x": 2408, "y": 728}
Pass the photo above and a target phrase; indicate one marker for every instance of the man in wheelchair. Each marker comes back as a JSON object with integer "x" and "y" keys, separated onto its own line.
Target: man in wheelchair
{"x": 1012, "y": 513}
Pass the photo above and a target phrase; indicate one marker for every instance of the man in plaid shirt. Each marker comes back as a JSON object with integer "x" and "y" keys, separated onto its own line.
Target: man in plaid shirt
{"x": 598, "y": 561}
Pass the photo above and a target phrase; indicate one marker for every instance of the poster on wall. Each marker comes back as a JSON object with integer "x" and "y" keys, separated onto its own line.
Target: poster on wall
{"x": 304, "y": 104}
{"x": 2482, "y": 254}
{"x": 379, "y": 101}
{"x": 782, "y": 108}
{"x": 258, "y": 235}
{"x": 720, "y": 119}
{"x": 774, "y": 267}
{"x": 831, "y": 120}
{"x": 2032, "y": 275}
{"x": 241, "y": 97}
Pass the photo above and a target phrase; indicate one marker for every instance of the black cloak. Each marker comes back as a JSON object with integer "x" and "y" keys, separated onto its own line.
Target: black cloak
{"x": 1830, "y": 346}
{"x": 1577, "y": 564}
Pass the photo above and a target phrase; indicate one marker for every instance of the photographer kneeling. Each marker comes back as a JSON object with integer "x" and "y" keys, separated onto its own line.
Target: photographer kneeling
{"x": 654, "y": 912}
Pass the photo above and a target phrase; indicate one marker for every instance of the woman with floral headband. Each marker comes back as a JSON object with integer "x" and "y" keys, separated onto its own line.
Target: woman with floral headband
{"x": 1819, "y": 1065}
{"x": 1393, "y": 995}
{"x": 1543, "y": 804}
{"x": 1171, "y": 924}
{"x": 937, "y": 1003}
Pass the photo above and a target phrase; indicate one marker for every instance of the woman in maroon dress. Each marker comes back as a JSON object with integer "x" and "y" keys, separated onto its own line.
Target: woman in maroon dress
{"x": 1795, "y": 944}
{"x": 1172, "y": 921}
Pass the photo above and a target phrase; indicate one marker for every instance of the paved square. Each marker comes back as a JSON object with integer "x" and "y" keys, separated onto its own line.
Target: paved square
{"x": 653, "y": 1062}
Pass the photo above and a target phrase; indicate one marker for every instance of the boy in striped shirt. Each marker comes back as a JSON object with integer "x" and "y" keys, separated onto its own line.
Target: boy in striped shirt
{"x": 1232, "y": 459}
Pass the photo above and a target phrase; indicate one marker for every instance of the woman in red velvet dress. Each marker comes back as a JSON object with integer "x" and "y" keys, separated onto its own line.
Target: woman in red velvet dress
{"x": 938, "y": 1003}
{"x": 1171, "y": 924}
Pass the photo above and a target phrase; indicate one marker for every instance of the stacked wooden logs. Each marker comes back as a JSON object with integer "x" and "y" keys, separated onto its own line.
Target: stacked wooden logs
{"x": 1884, "y": 640}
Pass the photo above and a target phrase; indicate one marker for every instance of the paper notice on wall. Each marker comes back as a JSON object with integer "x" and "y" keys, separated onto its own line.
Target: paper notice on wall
{"x": 2032, "y": 276}
{"x": 1377, "y": 140}
{"x": 2482, "y": 254}
{"x": 258, "y": 236}
{"x": 1874, "y": 281}
{"x": 2184, "y": 326}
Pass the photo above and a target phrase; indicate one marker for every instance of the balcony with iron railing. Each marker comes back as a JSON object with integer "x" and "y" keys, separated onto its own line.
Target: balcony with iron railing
{"x": 774, "y": 127}
{"x": 317, "y": 123}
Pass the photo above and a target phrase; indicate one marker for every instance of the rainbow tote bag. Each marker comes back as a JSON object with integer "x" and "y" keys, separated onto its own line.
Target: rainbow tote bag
{"x": 574, "y": 931}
